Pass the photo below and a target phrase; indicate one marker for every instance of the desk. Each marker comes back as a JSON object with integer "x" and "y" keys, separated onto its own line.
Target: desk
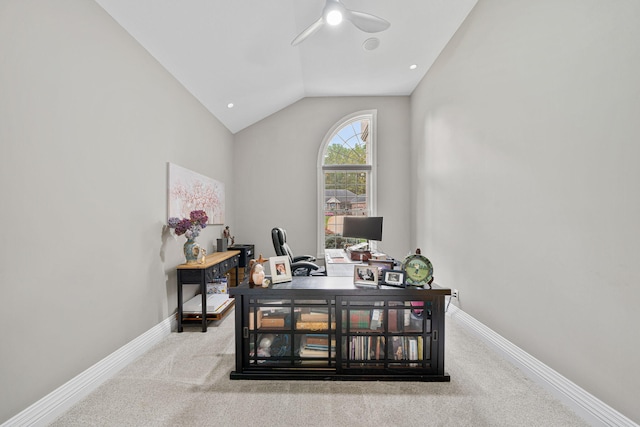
{"x": 325, "y": 328}
{"x": 338, "y": 263}
{"x": 215, "y": 265}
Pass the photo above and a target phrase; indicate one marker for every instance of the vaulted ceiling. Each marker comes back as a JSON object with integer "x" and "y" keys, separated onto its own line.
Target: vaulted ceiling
{"x": 239, "y": 51}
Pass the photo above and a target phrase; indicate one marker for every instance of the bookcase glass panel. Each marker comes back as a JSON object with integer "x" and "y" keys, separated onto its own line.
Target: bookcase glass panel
{"x": 409, "y": 316}
{"x": 316, "y": 320}
{"x": 270, "y": 348}
{"x": 409, "y": 348}
{"x": 269, "y": 317}
{"x": 364, "y": 348}
{"x": 363, "y": 316}
{"x": 316, "y": 349}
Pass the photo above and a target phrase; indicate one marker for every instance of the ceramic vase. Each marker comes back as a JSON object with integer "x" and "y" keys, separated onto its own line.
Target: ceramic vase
{"x": 192, "y": 251}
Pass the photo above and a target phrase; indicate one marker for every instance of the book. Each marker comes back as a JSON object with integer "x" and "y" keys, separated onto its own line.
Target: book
{"x": 275, "y": 311}
{"x": 258, "y": 319}
{"x": 217, "y": 286}
{"x": 314, "y": 326}
{"x": 407, "y": 314}
{"x": 413, "y": 348}
{"x": 215, "y": 303}
{"x": 393, "y": 320}
{"x": 314, "y": 317}
{"x": 359, "y": 319}
{"x": 397, "y": 347}
{"x": 273, "y": 322}
{"x": 306, "y": 352}
{"x": 319, "y": 339}
{"x": 377, "y": 317}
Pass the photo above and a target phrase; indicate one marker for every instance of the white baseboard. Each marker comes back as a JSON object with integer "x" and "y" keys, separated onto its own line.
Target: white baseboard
{"x": 50, "y": 407}
{"x": 56, "y": 403}
{"x": 590, "y": 408}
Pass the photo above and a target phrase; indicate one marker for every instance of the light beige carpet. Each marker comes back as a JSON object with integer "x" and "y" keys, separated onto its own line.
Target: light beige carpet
{"x": 184, "y": 381}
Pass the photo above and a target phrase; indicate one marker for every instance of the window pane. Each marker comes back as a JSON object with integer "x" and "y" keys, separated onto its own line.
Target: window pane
{"x": 349, "y": 145}
{"x": 345, "y": 194}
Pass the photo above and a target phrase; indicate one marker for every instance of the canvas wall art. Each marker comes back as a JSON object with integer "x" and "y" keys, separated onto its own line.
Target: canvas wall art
{"x": 189, "y": 191}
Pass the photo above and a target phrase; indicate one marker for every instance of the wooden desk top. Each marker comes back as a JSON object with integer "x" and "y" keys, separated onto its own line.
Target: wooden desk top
{"x": 209, "y": 260}
{"x": 321, "y": 286}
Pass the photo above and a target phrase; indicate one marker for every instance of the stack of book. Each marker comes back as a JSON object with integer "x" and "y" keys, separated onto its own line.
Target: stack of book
{"x": 365, "y": 348}
{"x": 217, "y": 286}
{"x": 314, "y": 321}
{"x": 407, "y": 348}
{"x": 317, "y": 345}
{"x": 275, "y": 318}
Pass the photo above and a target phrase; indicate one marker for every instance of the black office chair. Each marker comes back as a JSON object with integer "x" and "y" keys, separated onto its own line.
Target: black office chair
{"x": 301, "y": 265}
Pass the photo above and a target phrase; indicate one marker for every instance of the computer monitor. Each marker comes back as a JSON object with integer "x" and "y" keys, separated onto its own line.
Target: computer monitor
{"x": 363, "y": 227}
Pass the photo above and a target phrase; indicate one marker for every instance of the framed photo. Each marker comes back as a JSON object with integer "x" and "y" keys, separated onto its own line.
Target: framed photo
{"x": 366, "y": 275}
{"x": 382, "y": 265}
{"x": 393, "y": 277}
{"x": 280, "y": 269}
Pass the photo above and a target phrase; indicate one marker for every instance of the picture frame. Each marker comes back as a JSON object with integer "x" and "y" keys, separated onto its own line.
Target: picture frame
{"x": 188, "y": 191}
{"x": 382, "y": 264}
{"x": 280, "y": 268}
{"x": 392, "y": 277}
{"x": 366, "y": 275}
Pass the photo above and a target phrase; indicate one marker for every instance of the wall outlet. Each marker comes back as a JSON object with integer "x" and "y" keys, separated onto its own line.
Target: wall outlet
{"x": 454, "y": 293}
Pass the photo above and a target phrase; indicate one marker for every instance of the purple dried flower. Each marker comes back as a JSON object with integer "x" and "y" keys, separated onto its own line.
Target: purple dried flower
{"x": 199, "y": 217}
{"x": 191, "y": 226}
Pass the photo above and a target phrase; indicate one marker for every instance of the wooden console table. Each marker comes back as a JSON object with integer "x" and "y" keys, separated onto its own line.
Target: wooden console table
{"x": 215, "y": 265}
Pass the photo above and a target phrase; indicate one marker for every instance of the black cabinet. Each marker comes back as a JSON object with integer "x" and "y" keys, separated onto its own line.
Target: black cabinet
{"x": 214, "y": 266}
{"x": 247, "y": 253}
{"x": 326, "y": 328}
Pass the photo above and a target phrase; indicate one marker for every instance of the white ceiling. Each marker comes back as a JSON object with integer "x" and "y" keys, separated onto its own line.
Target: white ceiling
{"x": 239, "y": 51}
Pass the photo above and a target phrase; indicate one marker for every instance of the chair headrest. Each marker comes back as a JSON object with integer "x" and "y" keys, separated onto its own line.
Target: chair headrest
{"x": 279, "y": 235}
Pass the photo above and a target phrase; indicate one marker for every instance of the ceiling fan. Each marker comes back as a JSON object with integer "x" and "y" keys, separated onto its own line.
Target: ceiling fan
{"x": 333, "y": 14}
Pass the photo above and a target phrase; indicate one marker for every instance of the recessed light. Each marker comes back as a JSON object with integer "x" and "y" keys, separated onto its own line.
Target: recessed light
{"x": 413, "y": 66}
{"x": 230, "y": 105}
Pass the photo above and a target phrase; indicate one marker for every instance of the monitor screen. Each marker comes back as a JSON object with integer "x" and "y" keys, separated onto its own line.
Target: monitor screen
{"x": 363, "y": 227}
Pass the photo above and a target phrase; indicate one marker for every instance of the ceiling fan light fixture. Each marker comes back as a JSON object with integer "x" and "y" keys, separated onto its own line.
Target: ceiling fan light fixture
{"x": 334, "y": 17}
{"x": 334, "y": 13}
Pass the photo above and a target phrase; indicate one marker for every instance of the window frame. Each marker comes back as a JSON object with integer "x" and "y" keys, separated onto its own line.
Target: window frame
{"x": 370, "y": 167}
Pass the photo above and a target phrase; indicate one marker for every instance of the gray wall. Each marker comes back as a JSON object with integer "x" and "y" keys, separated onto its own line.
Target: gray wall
{"x": 523, "y": 166}
{"x": 88, "y": 121}
{"x": 276, "y": 170}
{"x": 527, "y": 128}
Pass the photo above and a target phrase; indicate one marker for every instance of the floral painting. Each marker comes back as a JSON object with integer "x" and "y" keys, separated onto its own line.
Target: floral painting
{"x": 189, "y": 191}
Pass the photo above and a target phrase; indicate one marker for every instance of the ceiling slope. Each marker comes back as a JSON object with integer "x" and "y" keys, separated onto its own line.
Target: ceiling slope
{"x": 240, "y": 51}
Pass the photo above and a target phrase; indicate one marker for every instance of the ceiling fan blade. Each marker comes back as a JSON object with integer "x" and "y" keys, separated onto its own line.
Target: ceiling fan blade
{"x": 308, "y": 31}
{"x": 367, "y": 22}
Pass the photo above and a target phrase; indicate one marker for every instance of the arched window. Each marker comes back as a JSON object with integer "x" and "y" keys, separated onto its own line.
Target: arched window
{"x": 346, "y": 176}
